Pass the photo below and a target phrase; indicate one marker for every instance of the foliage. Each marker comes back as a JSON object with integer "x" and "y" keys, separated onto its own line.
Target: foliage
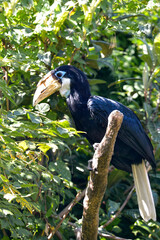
{"x": 42, "y": 157}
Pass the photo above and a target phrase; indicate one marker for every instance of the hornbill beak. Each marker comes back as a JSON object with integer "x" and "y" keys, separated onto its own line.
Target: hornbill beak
{"x": 46, "y": 86}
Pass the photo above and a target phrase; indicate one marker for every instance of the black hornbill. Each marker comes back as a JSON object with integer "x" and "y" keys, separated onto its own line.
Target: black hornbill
{"x": 90, "y": 114}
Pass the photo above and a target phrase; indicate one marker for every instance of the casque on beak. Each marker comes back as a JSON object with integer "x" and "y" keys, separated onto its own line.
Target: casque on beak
{"x": 46, "y": 86}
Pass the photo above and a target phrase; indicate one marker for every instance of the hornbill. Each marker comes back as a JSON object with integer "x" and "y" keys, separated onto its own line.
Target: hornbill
{"x": 90, "y": 114}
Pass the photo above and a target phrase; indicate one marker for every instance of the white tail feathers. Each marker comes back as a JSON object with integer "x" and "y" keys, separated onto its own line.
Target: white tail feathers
{"x": 144, "y": 192}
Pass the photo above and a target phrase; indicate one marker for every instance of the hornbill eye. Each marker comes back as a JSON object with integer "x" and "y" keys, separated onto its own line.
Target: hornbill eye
{"x": 60, "y": 74}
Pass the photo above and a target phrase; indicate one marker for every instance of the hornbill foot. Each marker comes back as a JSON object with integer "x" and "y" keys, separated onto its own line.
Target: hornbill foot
{"x": 90, "y": 165}
{"x": 95, "y": 146}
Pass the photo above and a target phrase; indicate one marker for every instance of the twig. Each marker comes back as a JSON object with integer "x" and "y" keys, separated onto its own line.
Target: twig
{"x": 78, "y": 198}
{"x": 39, "y": 193}
{"x": 128, "y": 16}
{"x": 59, "y": 235}
{"x": 109, "y": 236}
{"x": 120, "y": 210}
{"x": 66, "y": 212}
{"x": 73, "y": 54}
{"x": 4, "y": 232}
{"x": 6, "y": 79}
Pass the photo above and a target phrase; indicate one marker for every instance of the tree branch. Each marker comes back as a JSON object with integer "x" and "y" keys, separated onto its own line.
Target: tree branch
{"x": 98, "y": 177}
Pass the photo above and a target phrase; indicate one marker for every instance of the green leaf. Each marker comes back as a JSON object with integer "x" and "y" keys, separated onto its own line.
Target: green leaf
{"x": 53, "y": 146}
{"x": 61, "y": 169}
{"x": 45, "y": 57}
{"x": 62, "y": 131}
{"x": 148, "y": 109}
{"x": 89, "y": 11}
{"x": 50, "y": 210}
{"x": 105, "y": 47}
{"x": 28, "y": 185}
{"x": 19, "y": 112}
{"x": 43, "y": 107}
{"x": 5, "y": 212}
{"x": 146, "y": 58}
{"x": 60, "y": 18}
{"x": 23, "y": 232}
{"x": 117, "y": 229}
{"x": 116, "y": 176}
{"x": 43, "y": 147}
{"x": 149, "y": 50}
{"x": 9, "y": 196}
{"x": 3, "y": 178}
{"x": 154, "y": 128}
{"x": 7, "y": 91}
{"x": 96, "y": 81}
{"x": 113, "y": 207}
{"x": 157, "y": 47}
{"x": 47, "y": 176}
{"x": 47, "y": 131}
{"x": 62, "y": 123}
{"x": 24, "y": 145}
{"x": 34, "y": 118}
{"x": 145, "y": 76}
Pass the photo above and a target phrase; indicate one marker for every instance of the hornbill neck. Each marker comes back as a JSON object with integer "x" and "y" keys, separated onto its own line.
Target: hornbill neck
{"x": 79, "y": 92}
{"x": 77, "y": 103}
{"x": 77, "y": 97}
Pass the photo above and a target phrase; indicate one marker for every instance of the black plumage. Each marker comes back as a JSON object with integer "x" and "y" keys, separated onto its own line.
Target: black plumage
{"x": 90, "y": 114}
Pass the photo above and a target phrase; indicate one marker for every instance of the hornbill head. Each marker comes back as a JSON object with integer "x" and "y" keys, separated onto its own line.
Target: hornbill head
{"x": 63, "y": 79}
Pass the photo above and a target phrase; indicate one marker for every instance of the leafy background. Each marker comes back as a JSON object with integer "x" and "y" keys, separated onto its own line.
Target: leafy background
{"x": 42, "y": 157}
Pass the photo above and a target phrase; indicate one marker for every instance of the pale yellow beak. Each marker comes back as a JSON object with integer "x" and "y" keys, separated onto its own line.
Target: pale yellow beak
{"x": 45, "y": 87}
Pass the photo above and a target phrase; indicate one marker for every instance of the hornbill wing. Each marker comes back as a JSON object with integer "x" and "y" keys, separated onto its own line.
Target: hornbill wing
{"x": 131, "y": 131}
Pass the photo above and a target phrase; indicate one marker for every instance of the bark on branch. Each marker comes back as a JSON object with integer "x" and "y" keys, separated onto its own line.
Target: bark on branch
{"x": 98, "y": 177}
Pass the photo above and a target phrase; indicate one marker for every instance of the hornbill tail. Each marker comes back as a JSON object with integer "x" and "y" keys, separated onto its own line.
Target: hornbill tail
{"x": 144, "y": 192}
